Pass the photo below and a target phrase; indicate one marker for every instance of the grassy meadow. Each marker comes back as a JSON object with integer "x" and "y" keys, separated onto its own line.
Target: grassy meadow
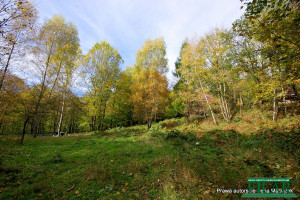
{"x": 172, "y": 160}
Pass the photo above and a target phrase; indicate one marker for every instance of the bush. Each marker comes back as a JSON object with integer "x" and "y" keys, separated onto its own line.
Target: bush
{"x": 97, "y": 132}
{"x": 191, "y": 137}
{"x": 101, "y": 133}
{"x": 176, "y": 134}
{"x": 169, "y": 124}
{"x": 238, "y": 119}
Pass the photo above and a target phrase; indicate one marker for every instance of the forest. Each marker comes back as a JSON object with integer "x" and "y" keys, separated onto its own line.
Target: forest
{"x": 226, "y": 72}
{"x": 240, "y": 80}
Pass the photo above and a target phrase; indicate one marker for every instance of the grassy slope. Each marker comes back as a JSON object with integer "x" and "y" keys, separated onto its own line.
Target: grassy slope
{"x": 173, "y": 160}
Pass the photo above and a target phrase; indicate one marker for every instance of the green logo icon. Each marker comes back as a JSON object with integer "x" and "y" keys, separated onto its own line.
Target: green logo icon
{"x": 260, "y": 187}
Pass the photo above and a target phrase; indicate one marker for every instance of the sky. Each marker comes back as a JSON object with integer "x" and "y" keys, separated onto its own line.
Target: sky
{"x": 126, "y": 24}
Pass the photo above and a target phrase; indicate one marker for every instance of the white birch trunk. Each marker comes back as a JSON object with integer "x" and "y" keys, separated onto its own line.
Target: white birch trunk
{"x": 61, "y": 115}
{"x": 275, "y": 107}
{"x": 211, "y": 111}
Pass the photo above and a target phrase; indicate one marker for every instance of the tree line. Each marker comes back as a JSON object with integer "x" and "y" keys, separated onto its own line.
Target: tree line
{"x": 254, "y": 64}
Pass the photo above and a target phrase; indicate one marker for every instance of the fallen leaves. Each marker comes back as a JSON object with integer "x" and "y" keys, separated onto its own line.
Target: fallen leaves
{"x": 258, "y": 150}
{"x": 71, "y": 188}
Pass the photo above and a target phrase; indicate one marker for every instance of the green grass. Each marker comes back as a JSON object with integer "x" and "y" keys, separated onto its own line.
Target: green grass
{"x": 136, "y": 163}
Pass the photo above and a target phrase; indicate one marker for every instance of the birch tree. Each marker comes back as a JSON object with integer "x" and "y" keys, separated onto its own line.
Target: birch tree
{"x": 195, "y": 70}
{"x": 102, "y": 69}
{"x": 56, "y": 45}
{"x": 17, "y": 24}
{"x": 66, "y": 66}
{"x": 149, "y": 89}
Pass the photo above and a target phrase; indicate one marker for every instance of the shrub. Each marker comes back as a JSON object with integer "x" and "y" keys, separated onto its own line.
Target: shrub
{"x": 169, "y": 124}
{"x": 101, "y": 133}
{"x": 176, "y": 134}
{"x": 97, "y": 132}
{"x": 191, "y": 137}
{"x": 238, "y": 119}
{"x": 155, "y": 131}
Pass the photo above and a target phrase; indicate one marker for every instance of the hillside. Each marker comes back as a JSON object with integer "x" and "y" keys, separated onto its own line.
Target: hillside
{"x": 172, "y": 160}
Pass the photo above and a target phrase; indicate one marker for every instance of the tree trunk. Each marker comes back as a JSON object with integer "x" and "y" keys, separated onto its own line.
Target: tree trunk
{"x": 221, "y": 106}
{"x": 103, "y": 115}
{"x": 24, "y": 130}
{"x": 61, "y": 115}
{"x": 275, "y": 107}
{"x": 223, "y": 103}
{"x": 54, "y": 83}
{"x": 235, "y": 98}
{"x": 40, "y": 125}
{"x": 41, "y": 93}
{"x": 6, "y": 66}
{"x": 241, "y": 103}
{"x": 70, "y": 127}
{"x": 54, "y": 122}
{"x": 149, "y": 123}
{"x": 284, "y": 102}
{"x": 226, "y": 105}
{"x": 211, "y": 111}
{"x": 36, "y": 111}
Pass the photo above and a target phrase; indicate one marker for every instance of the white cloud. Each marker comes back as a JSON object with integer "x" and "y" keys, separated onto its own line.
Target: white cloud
{"x": 126, "y": 24}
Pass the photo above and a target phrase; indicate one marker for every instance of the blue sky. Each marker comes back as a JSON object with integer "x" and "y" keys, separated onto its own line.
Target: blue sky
{"x": 126, "y": 24}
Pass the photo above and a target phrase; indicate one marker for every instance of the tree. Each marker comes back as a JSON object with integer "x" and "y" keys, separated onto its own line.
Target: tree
{"x": 152, "y": 55}
{"x": 275, "y": 25}
{"x": 203, "y": 67}
{"x": 119, "y": 108}
{"x": 65, "y": 64}
{"x": 16, "y": 106}
{"x": 102, "y": 69}
{"x": 17, "y": 21}
{"x": 178, "y": 65}
{"x": 26, "y": 99}
{"x": 56, "y": 47}
{"x": 149, "y": 89}
{"x": 177, "y": 103}
{"x": 75, "y": 115}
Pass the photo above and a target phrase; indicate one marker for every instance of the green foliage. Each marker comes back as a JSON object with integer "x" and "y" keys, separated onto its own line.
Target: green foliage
{"x": 119, "y": 109}
{"x": 175, "y": 134}
{"x": 175, "y": 108}
{"x": 156, "y": 131}
{"x": 178, "y": 65}
{"x": 102, "y": 71}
